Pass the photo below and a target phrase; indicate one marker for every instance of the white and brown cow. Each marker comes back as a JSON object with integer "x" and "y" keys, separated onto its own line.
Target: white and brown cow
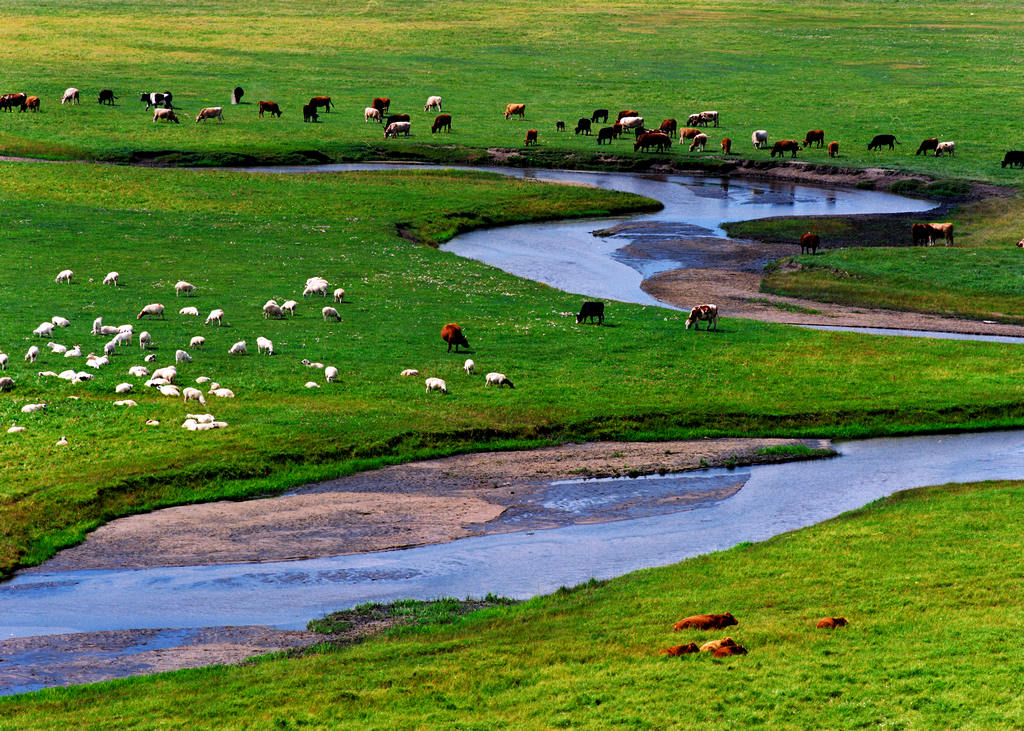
{"x": 707, "y": 313}
{"x": 210, "y": 113}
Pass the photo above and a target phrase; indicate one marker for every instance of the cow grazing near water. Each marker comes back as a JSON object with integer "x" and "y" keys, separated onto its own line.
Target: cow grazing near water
{"x": 782, "y": 146}
{"x": 1014, "y": 158}
{"x": 878, "y": 141}
{"x": 157, "y": 99}
{"x": 591, "y": 310}
{"x": 699, "y": 142}
{"x": 945, "y": 148}
{"x": 107, "y": 96}
{"x": 809, "y": 242}
{"x": 759, "y": 137}
{"x": 599, "y": 115}
{"x": 270, "y": 108}
{"x": 515, "y": 110}
{"x": 726, "y": 146}
{"x": 605, "y": 134}
{"x": 321, "y": 101}
{"x": 927, "y": 145}
{"x": 210, "y": 113}
{"x": 309, "y": 113}
{"x": 582, "y": 126}
{"x": 833, "y": 149}
{"x": 814, "y": 135}
{"x": 706, "y": 621}
{"x": 383, "y": 103}
{"x": 922, "y": 232}
{"x": 705, "y": 313}
{"x": 658, "y": 140}
{"x": 441, "y": 122}
{"x": 166, "y": 115}
{"x": 398, "y": 128}
{"x": 433, "y": 102}
{"x": 452, "y": 334}
{"x": 531, "y": 138}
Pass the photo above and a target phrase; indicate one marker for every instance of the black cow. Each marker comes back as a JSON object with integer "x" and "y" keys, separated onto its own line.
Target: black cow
{"x": 1014, "y": 158}
{"x": 878, "y": 140}
{"x": 605, "y": 133}
{"x": 599, "y": 115}
{"x": 107, "y": 96}
{"x": 236, "y": 95}
{"x": 309, "y": 113}
{"x": 559, "y": 126}
{"x": 928, "y": 145}
{"x": 591, "y": 310}
{"x": 583, "y": 125}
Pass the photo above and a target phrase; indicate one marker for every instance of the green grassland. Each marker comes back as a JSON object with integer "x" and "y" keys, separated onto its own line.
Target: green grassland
{"x": 929, "y": 581}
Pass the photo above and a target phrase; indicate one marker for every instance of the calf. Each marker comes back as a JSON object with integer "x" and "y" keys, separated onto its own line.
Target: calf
{"x": 727, "y": 650}
{"x": 605, "y": 134}
{"x": 832, "y": 622}
{"x": 928, "y": 145}
{"x": 270, "y": 108}
{"x": 688, "y": 133}
{"x": 878, "y": 141}
{"x": 707, "y": 313}
{"x": 833, "y": 149}
{"x": 1014, "y": 158}
{"x": 726, "y": 146}
{"x": 945, "y": 148}
{"x": 517, "y": 110}
{"x": 782, "y": 146}
{"x": 599, "y": 115}
{"x": 70, "y": 96}
{"x": 433, "y": 102}
{"x": 452, "y": 334}
{"x": 531, "y": 138}
{"x": 678, "y": 650}
{"x": 167, "y": 115}
{"x": 591, "y": 310}
{"x": 814, "y": 135}
{"x": 583, "y": 125}
{"x": 809, "y": 242}
{"x": 559, "y": 126}
{"x": 397, "y": 128}
{"x": 706, "y": 621}
{"x": 210, "y": 113}
{"x": 321, "y": 101}
{"x": 441, "y": 122}
{"x": 107, "y": 96}
{"x": 32, "y": 103}
{"x": 309, "y": 113}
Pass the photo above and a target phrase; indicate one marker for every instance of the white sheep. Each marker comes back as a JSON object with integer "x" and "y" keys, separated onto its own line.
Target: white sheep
{"x": 149, "y": 422}
{"x": 310, "y": 364}
{"x": 125, "y": 329}
{"x": 15, "y": 429}
{"x": 82, "y": 376}
{"x": 201, "y": 418}
{"x": 3, "y": 361}
{"x": 497, "y": 379}
{"x": 32, "y": 354}
{"x": 194, "y": 311}
{"x": 75, "y": 352}
{"x": 409, "y": 372}
{"x": 32, "y": 408}
{"x": 193, "y": 394}
{"x": 237, "y": 349}
{"x": 45, "y": 330}
{"x": 203, "y": 379}
{"x": 339, "y": 295}
{"x": 151, "y": 310}
{"x": 111, "y": 279}
{"x": 65, "y": 276}
{"x": 138, "y": 371}
{"x": 312, "y": 384}
{"x": 436, "y": 384}
{"x": 47, "y": 374}
{"x": 57, "y": 348}
{"x": 330, "y": 313}
{"x": 169, "y": 390}
{"x": 123, "y": 388}
{"x": 190, "y": 424}
{"x": 468, "y": 366}
{"x": 96, "y": 325}
{"x": 6, "y": 383}
{"x": 60, "y": 321}
{"x": 109, "y": 348}
{"x": 197, "y": 342}
{"x": 215, "y": 316}
{"x": 98, "y": 363}
{"x": 66, "y": 375}
{"x": 182, "y": 356}
{"x": 106, "y": 330}
{"x": 183, "y": 287}
{"x": 168, "y": 372}
{"x": 122, "y": 338}
{"x": 264, "y": 345}
{"x": 316, "y": 285}
{"x": 145, "y": 339}
{"x": 223, "y": 393}
{"x": 156, "y": 382}
{"x": 128, "y": 402}
{"x": 150, "y": 358}
{"x": 331, "y": 374}
{"x": 271, "y": 309}
{"x": 62, "y": 442}
{"x": 289, "y": 307}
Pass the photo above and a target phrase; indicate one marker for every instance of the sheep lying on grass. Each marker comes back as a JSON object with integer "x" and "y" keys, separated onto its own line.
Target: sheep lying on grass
{"x": 194, "y": 311}
{"x": 409, "y": 372}
{"x": 6, "y": 383}
{"x": 60, "y": 321}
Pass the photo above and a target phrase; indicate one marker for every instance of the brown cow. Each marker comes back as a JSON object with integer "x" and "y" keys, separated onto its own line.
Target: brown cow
{"x": 382, "y": 103}
{"x": 627, "y": 113}
{"x": 715, "y": 644}
{"x": 815, "y": 135}
{"x": 726, "y": 146}
{"x": 668, "y": 126}
{"x": 531, "y": 138}
{"x": 31, "y": 102}
{"x": 688, "y": 133}
{"x": 832, "y": 622}
{"x": 320, "y": 101}
{"x": 678, "y": 650}
{"x": 921, "y": 232}
{"x": 441, "y": 122}
{"x": 518, "y": 110}
{"x": 729, "y": 650}
{"x": 647, "y": 140}
{"x": 785, "y": 146}
{"x": 809, "y": 241}
{"x": 9, "y": 101}
{"x": 699, "y": 142}
{"x": 452, "y": 334}
{"x": 833, "y": 149}
{"x": 706, "y": 621}
{"x": 271, "y": 108}
{"x": 928, "y": 145}
{"x": 707, "y": 313}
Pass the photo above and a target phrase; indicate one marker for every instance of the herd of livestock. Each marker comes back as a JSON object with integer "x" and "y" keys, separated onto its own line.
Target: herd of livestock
{"x": 628, "y": 120}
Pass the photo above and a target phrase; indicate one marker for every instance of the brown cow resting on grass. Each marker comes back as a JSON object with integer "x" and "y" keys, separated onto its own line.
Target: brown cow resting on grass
{"x": 832, "y": 622}
{"x": 706, "y": 621}
{"x": 715, "y": 644}
{"x": 729, "y": 650}
{"x": 679, "y": 650}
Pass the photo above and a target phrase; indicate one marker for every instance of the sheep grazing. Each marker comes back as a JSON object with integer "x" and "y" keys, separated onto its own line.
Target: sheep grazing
{"x": 111, "y": 279}
{"x": 330, "y": 313}
{"x": 215, "y": 316}
{"x": 312, "y": 384}
{"x": 272, "y": 310}
{"x": 128, "y": 402}
{"x": 339, "y": 295}
{"x": 189, "y": 311}
{"x": 65, "y": 276}
{"x": 168, "y": 372}
{"x": 169, "y": 390}
{"x": 45, "y": 330}
{"x": 197, "y": 342}
{"x": 331, "y": 374}
{"x": 138, "y": 371}
{"x": 151, "y": 311}
{"x": 289, "y": 307}
{"x": 32, "y": 408}
{"x": 497, "y": 379}
{"x": 468, "y": 366}
{"x": 109, "y": 348}
{"x": 144, "y": 339}
{"x": 123, "y": 388}
{"x": 60, "y": 321}
{"x": 193, "y": 394}
{"x": 409, "y": 372}
{"x": 184, "y": 287}
{"x": 264, "y": 345}
{"x": 3, "y": 361}
{"x": 223, "y": 393}
{"x": 6, "y": 383}
{"x": 436, "y": 384}
{"x": 122, "y": 338}
{"x": 237, "y": 349}
{"x": 182, "y": 356}
{"x": 32, "y": 354}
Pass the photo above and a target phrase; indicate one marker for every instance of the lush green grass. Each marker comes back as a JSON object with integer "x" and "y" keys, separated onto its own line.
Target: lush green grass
{"x": 929, "y": 581}
{"x": 243, "y": 238}
{"x": 852, "y": 68}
